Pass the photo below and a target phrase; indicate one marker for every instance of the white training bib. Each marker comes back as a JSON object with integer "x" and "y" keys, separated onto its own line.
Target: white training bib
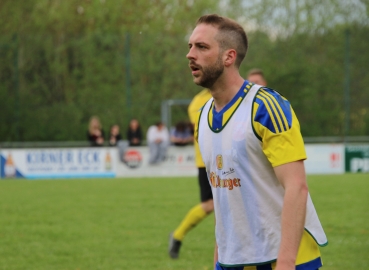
{"x": 248, "y": 197}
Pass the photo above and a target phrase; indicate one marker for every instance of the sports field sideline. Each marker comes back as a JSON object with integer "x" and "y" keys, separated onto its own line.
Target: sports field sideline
{"x": 124, "y": 223}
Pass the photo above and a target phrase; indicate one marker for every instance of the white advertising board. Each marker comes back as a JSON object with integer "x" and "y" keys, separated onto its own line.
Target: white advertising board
{"x": 134, "y": 162}
{"x": 58, "y": 163}
{"x": 325, "y": 158}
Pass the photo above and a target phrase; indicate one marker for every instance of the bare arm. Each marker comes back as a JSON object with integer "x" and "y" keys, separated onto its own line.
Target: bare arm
{"x": 215, "y": 248}
{"x": 292, "y": 177}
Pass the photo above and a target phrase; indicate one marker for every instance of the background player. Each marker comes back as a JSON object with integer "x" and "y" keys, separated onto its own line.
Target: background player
{"x": 196, "y": 214}
{"x": 256, "y": 76}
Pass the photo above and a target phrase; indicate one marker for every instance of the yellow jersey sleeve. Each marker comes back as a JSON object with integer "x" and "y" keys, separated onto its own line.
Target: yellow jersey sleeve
{"x": 194, "y": 110}
{"x": 196, "y": 104}
{"x": 276, "y": 126}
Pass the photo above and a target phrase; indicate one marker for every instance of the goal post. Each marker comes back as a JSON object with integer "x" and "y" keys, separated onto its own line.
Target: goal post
{"x": 167, "y": 106}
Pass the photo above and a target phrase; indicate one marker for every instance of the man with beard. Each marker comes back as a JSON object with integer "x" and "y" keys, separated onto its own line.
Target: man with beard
{"x": 253, "y": 151}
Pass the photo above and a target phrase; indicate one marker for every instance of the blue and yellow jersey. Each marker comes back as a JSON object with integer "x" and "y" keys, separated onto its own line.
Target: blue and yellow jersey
{"x": 276, "y": 126}
{"x": 274, "y": 123}
{"x": 194, "y": 110}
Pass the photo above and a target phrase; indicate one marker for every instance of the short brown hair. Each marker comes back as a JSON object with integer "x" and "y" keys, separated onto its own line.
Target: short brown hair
{"x": 231, "y": 34}
{"x": 256, "y": 71}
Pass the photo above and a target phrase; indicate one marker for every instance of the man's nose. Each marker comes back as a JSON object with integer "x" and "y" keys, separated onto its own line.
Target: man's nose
{"x": 190, "y": 54}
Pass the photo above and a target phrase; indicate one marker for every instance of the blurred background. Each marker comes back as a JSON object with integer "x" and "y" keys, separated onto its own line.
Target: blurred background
{"x": 63, "y": 61}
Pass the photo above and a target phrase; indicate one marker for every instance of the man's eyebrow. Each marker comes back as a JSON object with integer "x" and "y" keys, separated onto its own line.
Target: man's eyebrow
{"x": 201, "y": 43}
{"x": 198, "y": 43}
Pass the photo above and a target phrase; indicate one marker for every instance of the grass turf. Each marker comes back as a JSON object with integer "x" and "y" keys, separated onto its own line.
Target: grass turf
{"x": 124, "y": 223}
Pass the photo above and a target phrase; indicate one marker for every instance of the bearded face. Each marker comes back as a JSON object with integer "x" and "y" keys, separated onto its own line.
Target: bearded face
{"x": 205, "y": 56}
{"x": 208, "y": 74}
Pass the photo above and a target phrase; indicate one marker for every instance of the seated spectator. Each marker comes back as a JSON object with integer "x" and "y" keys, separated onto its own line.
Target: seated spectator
{"x": 95, "y": 132}
{"x": 191, "y": 127}
{"x": 181, "y": 135}
{"x": 114, "y": 135}
{"x": 134, "y": 134}
{"x": 158, "y": 141}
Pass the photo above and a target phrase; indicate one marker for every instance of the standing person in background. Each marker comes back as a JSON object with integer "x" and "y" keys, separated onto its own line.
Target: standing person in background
{"x": 134, "y": 134}
{"x": 114, "y": 135}
{"x": 253, "y": 151}
{"x": 197, "y": 213}
{"x": 95, "y": 132}
{"x": 200, "y": 211}
{"x": 256, "y": 76}
{"x": 158, "y": 141}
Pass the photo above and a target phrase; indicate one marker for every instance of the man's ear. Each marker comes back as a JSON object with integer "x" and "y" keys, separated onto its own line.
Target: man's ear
{"x": 229, "y": 57}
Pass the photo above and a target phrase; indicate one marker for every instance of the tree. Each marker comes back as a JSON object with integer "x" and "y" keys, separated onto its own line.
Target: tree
{"x": 63, "y": 61}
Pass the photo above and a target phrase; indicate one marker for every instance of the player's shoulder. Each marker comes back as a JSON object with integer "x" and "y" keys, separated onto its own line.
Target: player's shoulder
{"x": 204, "y": 94}
{"x": 200, "y": 99}
{"x": 272, "y": 110}
{"x": 272, "y": 93}
{"x": 197, "y": 103}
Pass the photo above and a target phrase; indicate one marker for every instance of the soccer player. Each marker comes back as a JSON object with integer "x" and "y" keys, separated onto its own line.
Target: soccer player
{"x": 256, "y": 76}
{"x": 196, "y": 214}
{"x": 253, "y": 151}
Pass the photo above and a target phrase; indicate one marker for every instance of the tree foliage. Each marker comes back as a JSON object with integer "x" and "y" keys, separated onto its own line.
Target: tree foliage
{"x": 63, "y": 61}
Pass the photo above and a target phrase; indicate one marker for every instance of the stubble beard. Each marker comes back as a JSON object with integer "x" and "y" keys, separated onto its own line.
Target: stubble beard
{"x": 210, "y": 74}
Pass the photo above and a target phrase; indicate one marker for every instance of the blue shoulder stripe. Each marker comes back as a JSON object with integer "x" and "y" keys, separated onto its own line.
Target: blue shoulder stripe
{"x": 274, "y": 111}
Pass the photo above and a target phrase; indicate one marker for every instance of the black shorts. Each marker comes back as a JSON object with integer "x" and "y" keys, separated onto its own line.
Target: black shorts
{"x": 205, "y": 189}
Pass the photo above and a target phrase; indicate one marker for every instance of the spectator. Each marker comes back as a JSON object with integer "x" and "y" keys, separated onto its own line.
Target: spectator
{"x": 134, "y": 134}
{"x": 95, "y": 132}
{"x": 114, "y": 135}
{"x": 181, "y": 135}
{"x": 191, "y": 127}
{"x": 158, "y": 141}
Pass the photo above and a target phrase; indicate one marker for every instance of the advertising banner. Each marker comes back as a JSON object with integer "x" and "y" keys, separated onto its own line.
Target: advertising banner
{"x": 134, "y": 162}
{"x": 124, "y": 161}
{"x": 325, "y": 158}
{"x": 57, "y": 163}
{"x": 357, "y": 158}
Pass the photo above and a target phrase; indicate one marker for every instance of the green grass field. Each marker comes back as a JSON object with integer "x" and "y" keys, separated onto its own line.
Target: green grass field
{"x": 124, "y": 223}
